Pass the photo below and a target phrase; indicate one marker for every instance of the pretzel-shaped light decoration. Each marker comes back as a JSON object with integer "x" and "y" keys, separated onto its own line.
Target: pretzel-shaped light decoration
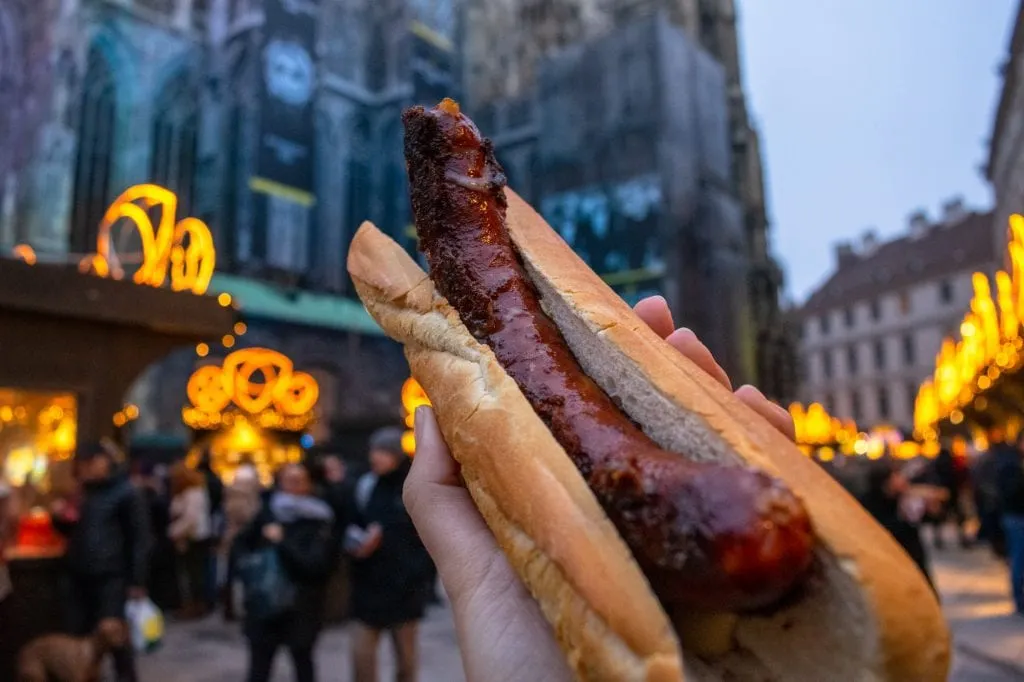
{"x": 283, "y": 398}
{"x": 163, "y": 247}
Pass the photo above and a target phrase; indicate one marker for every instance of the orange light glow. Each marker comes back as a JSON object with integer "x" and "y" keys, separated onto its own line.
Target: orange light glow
{"x": 25, "y": 253}
{"x": 182, "y": 251}
{"x": 816, "y": 427}
{"x": 260, "y": 382}
{"x": 990, "y": 342}
{"x": 413, "y": 397}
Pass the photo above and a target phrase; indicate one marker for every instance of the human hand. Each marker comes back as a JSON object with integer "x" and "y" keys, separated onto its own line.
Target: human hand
{"x": 371, "y": 542}
{"x": 654, "y": 311}
{"x": 273, "y": 532}
{"x": 502, "y": 633}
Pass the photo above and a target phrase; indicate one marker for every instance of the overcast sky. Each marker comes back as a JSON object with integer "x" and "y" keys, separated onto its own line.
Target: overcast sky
{"x": 868, "y": 109}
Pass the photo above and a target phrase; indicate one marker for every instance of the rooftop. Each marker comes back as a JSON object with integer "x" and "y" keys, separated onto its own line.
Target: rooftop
{"x": 928, "y": 251}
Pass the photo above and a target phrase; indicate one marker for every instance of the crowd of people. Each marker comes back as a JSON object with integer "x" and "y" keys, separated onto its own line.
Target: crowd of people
{"x": 978, "y": 497}
{"x": 267, "y": 557}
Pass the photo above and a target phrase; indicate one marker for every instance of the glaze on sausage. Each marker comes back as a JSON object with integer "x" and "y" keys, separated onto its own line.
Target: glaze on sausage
{"x": 706, "y": 535}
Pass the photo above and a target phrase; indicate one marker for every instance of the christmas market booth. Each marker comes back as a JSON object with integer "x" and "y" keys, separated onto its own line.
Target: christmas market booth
{"x": 75, "y": 332}
{"x": 977, "y": 389}
{"x": 253, "y": 409}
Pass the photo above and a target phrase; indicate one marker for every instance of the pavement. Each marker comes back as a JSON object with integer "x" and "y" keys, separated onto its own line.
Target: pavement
{"x": 988, "y": 636}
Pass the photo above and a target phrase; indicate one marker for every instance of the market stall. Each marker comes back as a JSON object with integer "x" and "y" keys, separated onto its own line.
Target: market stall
{"x": 252, "y": 409}
{"x": 75, "y": 333}
{"x": 977, "y": 388}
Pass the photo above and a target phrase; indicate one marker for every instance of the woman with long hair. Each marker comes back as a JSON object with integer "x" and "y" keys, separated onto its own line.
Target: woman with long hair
{"x": 190, "y": 531}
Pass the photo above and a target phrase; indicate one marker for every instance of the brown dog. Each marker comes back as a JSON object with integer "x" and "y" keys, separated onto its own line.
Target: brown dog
{"x": 62, "y": 658}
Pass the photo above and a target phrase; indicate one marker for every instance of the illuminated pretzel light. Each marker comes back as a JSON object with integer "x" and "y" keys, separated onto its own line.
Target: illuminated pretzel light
{"x": 182, "y": 251}
{"x": 259, "y": 382}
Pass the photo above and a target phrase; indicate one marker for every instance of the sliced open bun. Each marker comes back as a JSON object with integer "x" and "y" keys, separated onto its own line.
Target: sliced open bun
{"x": 866, "y": 614}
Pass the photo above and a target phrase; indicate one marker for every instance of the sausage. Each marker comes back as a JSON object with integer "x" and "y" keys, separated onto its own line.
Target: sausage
{"x": 706, "y": 535}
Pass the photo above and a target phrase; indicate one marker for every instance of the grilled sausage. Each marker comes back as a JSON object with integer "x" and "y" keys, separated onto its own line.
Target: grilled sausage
{"x": 706, "y": 535}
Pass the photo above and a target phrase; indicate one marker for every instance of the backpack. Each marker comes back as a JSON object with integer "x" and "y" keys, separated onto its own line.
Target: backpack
{"x": 269, "y": 591}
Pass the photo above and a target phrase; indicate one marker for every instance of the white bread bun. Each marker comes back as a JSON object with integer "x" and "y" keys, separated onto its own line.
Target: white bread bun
{"x": 866, "y": 614}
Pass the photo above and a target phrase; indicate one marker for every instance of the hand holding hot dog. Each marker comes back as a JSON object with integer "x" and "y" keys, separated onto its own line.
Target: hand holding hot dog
{"x": 501, "y": 628}
{"x": 609, "y": 481}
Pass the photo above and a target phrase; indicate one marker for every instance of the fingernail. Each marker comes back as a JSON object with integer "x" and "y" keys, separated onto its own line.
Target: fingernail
{"x": 419, "y": 420}
{"x": 751, "y": 387}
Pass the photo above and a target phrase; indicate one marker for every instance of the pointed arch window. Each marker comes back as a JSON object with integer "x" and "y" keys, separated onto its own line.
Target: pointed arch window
{"x": 175, "y": 131}
{"x": 93, "y": 164}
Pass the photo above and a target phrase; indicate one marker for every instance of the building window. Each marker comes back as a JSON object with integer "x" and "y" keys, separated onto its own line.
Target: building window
{"x": 855, "y": 405}
{"x": 824, "y": 324}
{"x": 945, "y": 291}
{"x": 96, "y": 124}
{"x": 851, "y": 360}
{"x": 830, "y": 403}
{"x": 175, "y": 127}
{"x": 826, "y": 364}
{"x": 876, "y": 310}
{"x": 848, "y": 317}
{"x": 904, "y": 302}
{"x": 908, "y": 349}
{"x": 883, "y": 402}
{"x": 911, "y": 398}
{"x": 879, "y": 354}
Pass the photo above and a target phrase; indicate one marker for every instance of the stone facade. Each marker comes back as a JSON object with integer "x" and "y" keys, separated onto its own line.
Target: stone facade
{"x": 105, "y": 94}
{"x": 871, "y": 332}
{"x": 1005, "y": 166}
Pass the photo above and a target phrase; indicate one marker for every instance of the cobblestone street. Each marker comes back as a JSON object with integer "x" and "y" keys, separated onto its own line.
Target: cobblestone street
{"x": 211, "y": 651}
{"x": 989, "y": 638}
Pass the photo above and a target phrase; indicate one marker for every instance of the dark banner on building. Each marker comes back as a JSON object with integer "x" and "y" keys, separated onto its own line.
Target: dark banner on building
{"x": 433, "y": 65}
{"x": 283, "y": 180}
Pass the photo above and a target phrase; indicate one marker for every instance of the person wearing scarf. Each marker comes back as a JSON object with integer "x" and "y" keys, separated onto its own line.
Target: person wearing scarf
{"x": 301, "y": 527}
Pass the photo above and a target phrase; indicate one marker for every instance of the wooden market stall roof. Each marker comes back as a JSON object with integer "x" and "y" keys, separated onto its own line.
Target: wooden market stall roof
{"x": 61, "y": 291}
{"x": 62, "y": 330}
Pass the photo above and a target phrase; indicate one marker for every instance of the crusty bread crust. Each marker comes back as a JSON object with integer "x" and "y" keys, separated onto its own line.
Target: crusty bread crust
{"x": 867, "y": 615}
{"x": 912, "y": 637}
{"x": 539, "y": 508}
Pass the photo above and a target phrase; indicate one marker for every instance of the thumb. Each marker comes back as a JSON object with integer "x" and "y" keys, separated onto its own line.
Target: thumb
{"x": 443, "y": 512}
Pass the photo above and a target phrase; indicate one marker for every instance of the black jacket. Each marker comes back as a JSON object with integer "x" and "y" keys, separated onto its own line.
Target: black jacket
{"x": 112, "y": 534}
{"x": 1009, "y": 473}
{"x": 390, "y": 586}
{"x": 308, "y": 552}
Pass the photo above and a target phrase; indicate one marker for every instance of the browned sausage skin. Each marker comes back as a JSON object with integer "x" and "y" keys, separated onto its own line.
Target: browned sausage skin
{"x": 706, "y": 535}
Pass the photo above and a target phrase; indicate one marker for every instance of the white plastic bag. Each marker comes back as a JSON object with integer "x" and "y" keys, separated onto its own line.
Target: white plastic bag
{"x": 146, "y": 624}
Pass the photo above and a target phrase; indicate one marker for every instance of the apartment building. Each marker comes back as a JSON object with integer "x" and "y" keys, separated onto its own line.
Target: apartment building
{"x": 870, "y": 333}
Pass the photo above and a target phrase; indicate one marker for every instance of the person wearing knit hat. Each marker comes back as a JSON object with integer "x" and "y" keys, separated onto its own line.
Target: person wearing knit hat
{"x": 390, "y": 568}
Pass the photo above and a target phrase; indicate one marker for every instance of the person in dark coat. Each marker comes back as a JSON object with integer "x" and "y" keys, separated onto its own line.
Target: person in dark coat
{"x": 390, "y": 569}
{"x": 883, "y": 491}
{"x": 946, "y": 474}
{"x": 163, "y": 576}
{"x": 986, "y": 497}
{"x": 215, "y": 494}
{"x": 108, "y": 546}
{"x": 1009, "y": 470}
{"x": 301, "y": 527}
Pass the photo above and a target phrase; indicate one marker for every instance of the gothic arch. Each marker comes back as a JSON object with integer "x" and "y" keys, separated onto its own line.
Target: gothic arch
{"x": 96, "y": 131}
{"x": 175, "y": 130}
